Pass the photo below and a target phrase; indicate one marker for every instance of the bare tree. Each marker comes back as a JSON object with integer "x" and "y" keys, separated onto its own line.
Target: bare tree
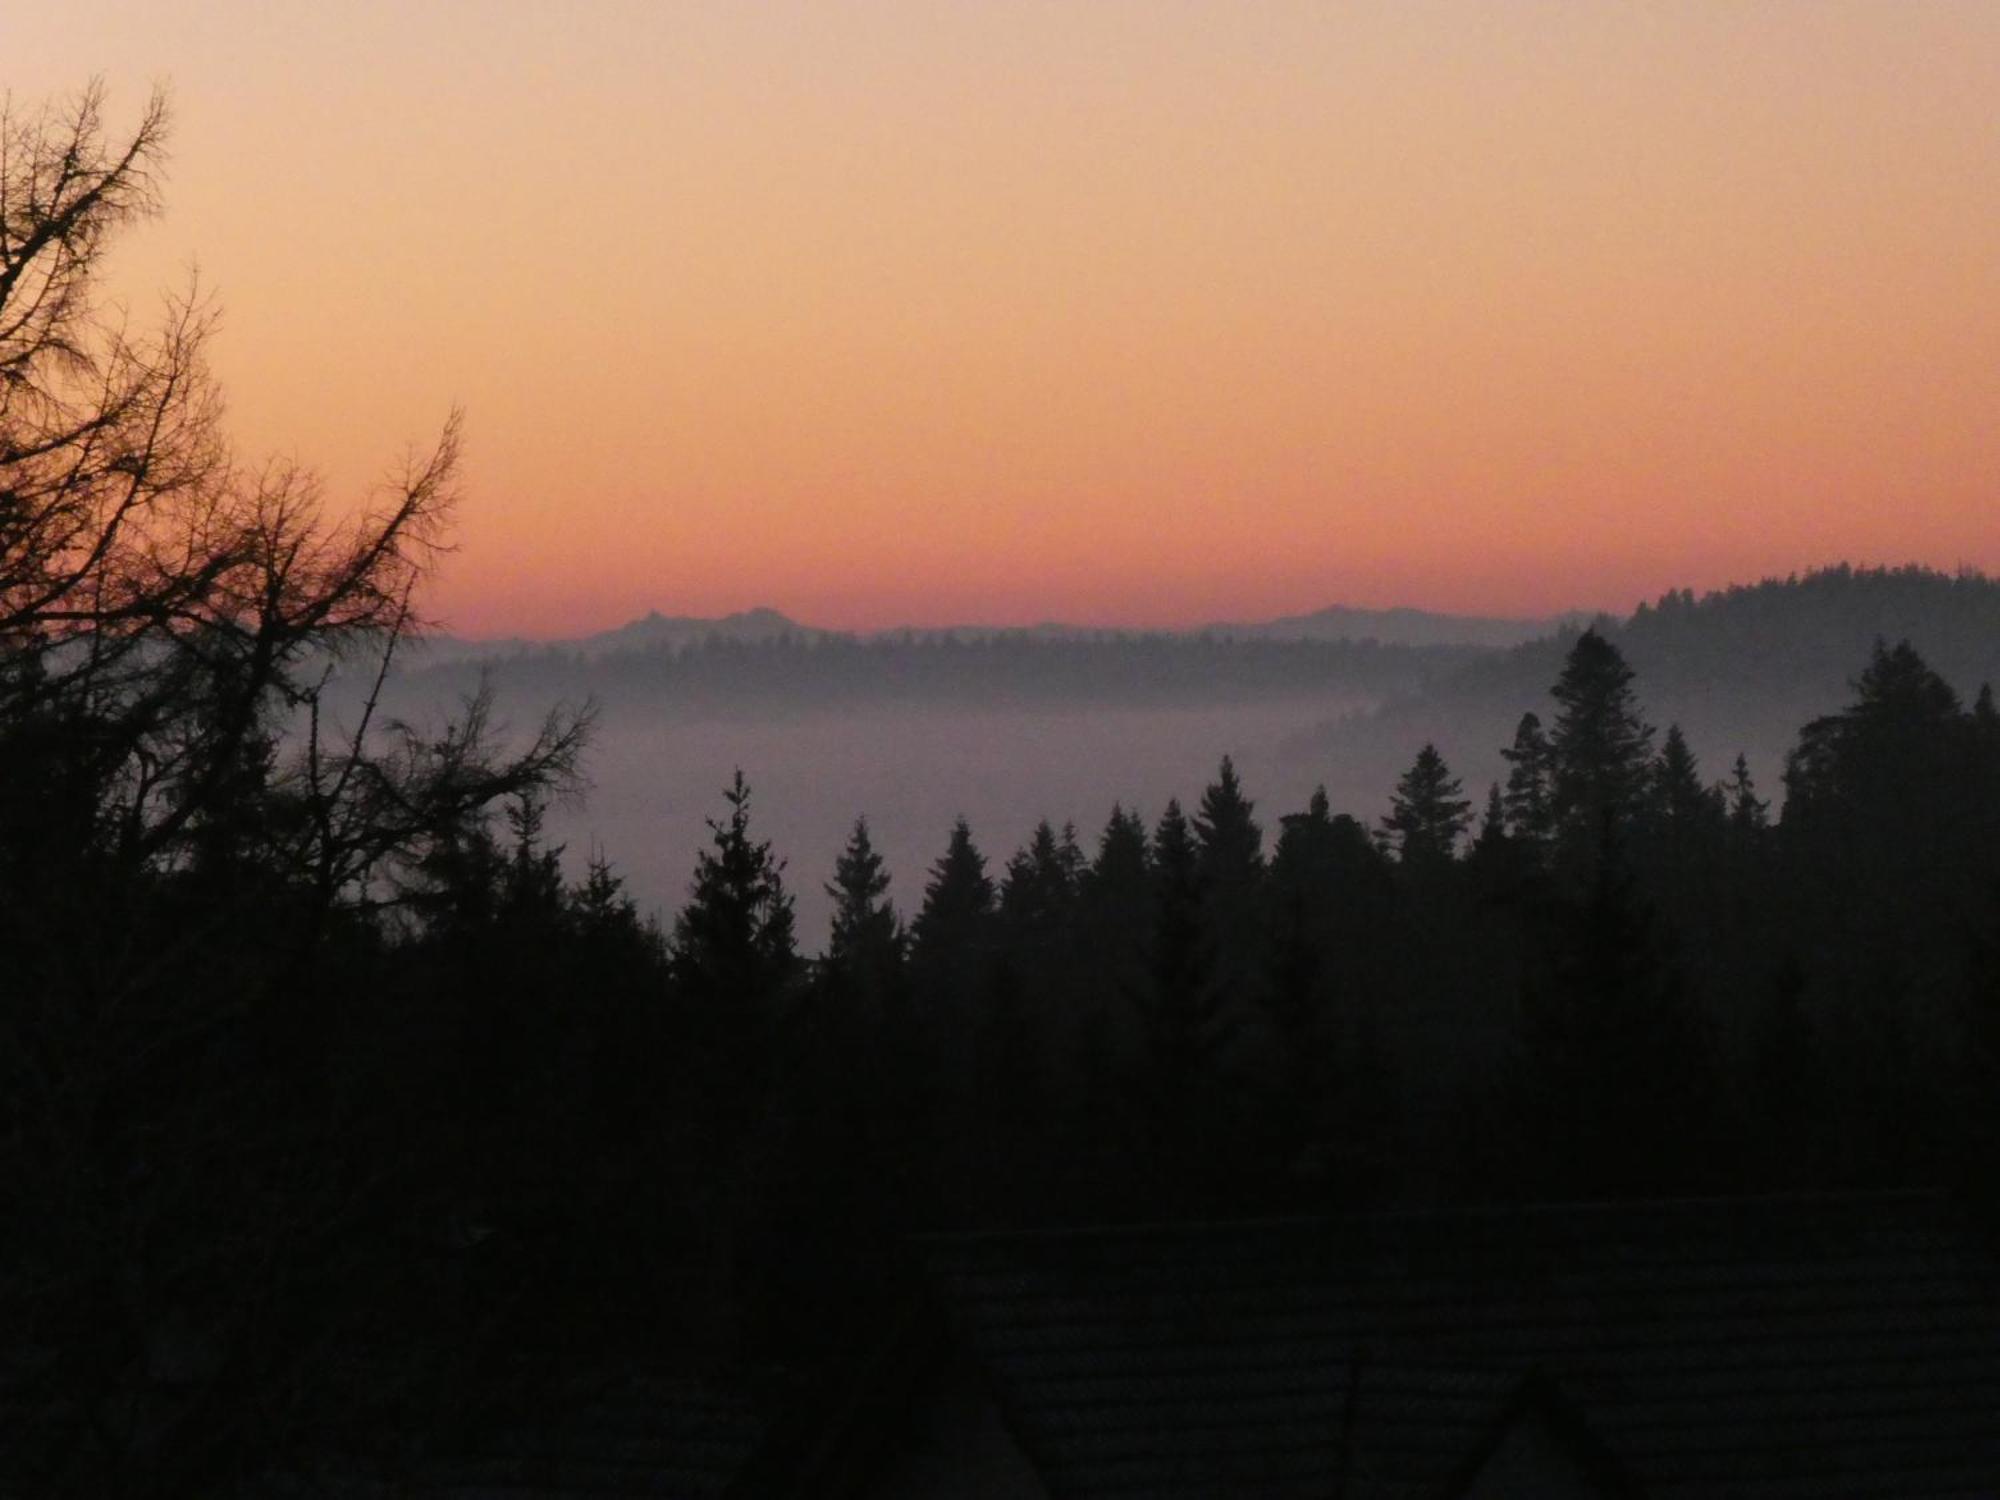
{"x": 169, "y": 609}
{"x": 171, "y": 623}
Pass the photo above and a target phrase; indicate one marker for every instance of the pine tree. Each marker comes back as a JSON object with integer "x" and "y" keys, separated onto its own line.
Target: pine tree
{"x": 1039, "y": 886}
{"x": 1678, "y": 799}
{"x": 1230, "y": 855}
{"x": 1499, "y": 863}
{"x": 1037, "y": 916}
{"x": 1230, "y": 842}
{"x": 1304, "y": 896}
{"x": 732, "y": 963}
{"x": 1888, "y": 755}
{"x": 866, "y": 943}
{"x": 619, "y": 954}
{"x": 1183, "y": 962}
{"x": 954, "y": 942}
{"x": 868, "y": 1144}
{"x": 733, "y": 942}
{"x": 1884, "y": 848}
{"x": 958, "y": 904}
{"x": 532, "y": 889}
{"x": 1114, "y": 930}
{"x": 1529, "y": 798}
{"x": 1118, "y": 878}
{"x": 1895, "y": 770}
{"x": 1749, "y": 814}
{"x": 1303, "y": 893}
{"x": 1071, "y": 858}
{"x": 1184, "y": 1013}
{"x": 1601, "y": 751}
{"x": 1428, "y": 814}
{"x": 1492, "y": 820}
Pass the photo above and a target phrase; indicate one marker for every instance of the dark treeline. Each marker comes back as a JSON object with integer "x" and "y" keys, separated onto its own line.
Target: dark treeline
{"x": 801, "y": 670}
{"x": 1758, "y": 657}
{"x": 497, "y": 1113}
{"x": 1614, "y": 974}
{"x": 328, "y": 1104}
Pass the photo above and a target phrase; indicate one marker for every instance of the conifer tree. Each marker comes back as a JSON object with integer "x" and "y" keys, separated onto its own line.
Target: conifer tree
{"x": 1886, "y": 756}
{"x": 1071, "y": 858}
{"x": 1678, "y": 799}
{"x": 1304, "y": 898}
{"x": 1884, "y": 795}
{"x": 954, "y": 941}
{"x": 1601, "y": 751}
{"x": 1037, "y": 913}
{"x": 1183, "y": 962}
{"x": 867, "y": 936}
{"x": 1230, "y": 842}
{"x": 1117, "y": 880}
{"x": 1428, "y": 814}
{"x": 1040, "y": 885}
{"x": 532, "y": 890}
{"x": 1303, "y": 894}
{"x": 1183, "y": 1011}
{"x": 1303, "y": 858}
{"x": 958, "y": 903}
{"x": 733, "y": 942}
{"x": 1529, "y": 798}
{"x": 619, "y": 954}
{"x": 1749, "y": 814}
{"x": 1230, "y": 854}
{"x": 1498, "y": 861}
{"x": 1115, "y": 921}
{"x": 867, "y": 1143}
{"x": 1493, "y": 819}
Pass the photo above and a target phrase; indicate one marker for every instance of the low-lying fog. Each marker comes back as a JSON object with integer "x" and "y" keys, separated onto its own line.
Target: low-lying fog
{"x": 914, "y": 730}
{"x": 912, "y": 769}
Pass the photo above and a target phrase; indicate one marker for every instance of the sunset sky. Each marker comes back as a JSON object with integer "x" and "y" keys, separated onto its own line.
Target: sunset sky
{"x": 1139, "y": 313}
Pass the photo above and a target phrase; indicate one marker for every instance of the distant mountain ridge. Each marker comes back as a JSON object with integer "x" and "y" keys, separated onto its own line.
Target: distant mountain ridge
{"x": 651, "y": 631}
{"x": 1782, "y": 644}
{"x": 1400, "y": 626}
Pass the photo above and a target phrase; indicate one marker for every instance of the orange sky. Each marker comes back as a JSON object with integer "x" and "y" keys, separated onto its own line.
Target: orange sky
{"x": 1142, "y": 313}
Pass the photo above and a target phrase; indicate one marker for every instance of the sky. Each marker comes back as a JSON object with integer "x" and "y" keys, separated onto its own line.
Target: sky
{"x": 1137, "y": 313}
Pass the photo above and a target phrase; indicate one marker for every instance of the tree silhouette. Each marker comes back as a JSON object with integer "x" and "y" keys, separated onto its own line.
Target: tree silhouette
{"x": 199, "y": 861}
{"x": 1601, "y": 751}
{"x": 1428, "y": 815}
{"x": 1749, "y": 814}
{"x": 733, "y": 945}
{"x": 952, "y": 937}
{"x": 1530, "y": 795}
{"x": 1304, "y": 896}
{"x": 867, "y": 940}
{"x": 1115, "y": 907}
{"x": 1230, "y": 855}
{"x": 1039, "y": 888}
{"x": 1185, "y": 1007}
{"x": 1678, "y": 801}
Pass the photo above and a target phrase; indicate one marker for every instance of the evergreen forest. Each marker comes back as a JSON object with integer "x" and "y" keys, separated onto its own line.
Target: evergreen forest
{"x": 326, "y": 1095}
